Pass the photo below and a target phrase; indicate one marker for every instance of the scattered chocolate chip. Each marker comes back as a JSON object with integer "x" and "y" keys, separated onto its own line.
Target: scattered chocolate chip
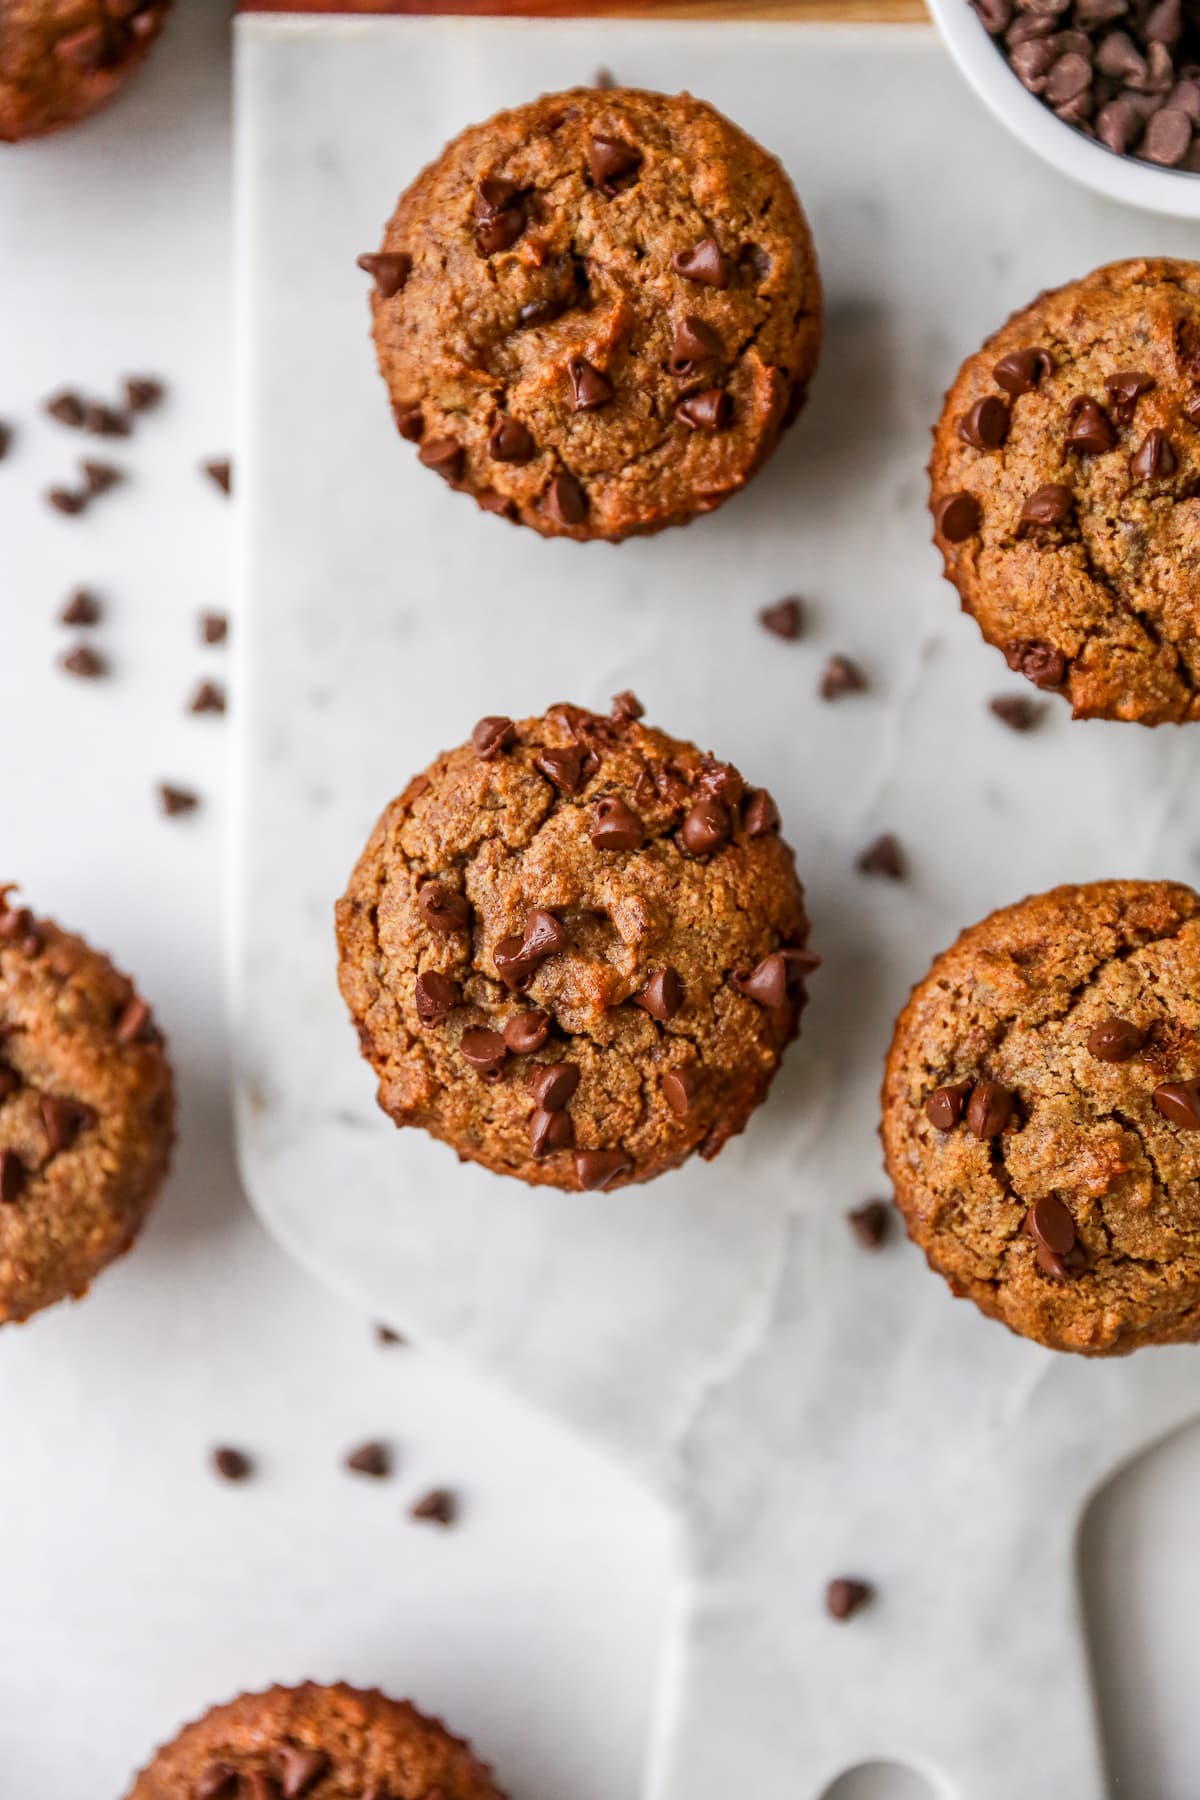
{"x": 589, "y": 388}
{"x": 232, "y": 1465}
{"x": 565, "y": 500}
{"x": 945, "y": 1106}
{"x": 492, "y": 735}
{"x": 1040, "y": 663}
{"x": 883, "y": 857}
{"x": 841, "y": 675}
{"x": 783, "y": 620}
{"x": 1179, "y": 1101}
{"x": 564, "y": 767}
{"x": 12, "y": 1177}
{"x": 104, "y": 421}
{"x": 662, "y": 995}
{"x": 525, "y": 1032}
{"x": 484, "y": 1051}
{"x": 985, "y": 425}
{"x": 1051, "y": 507}
{"x": 845, "y": 1596}
{"x": 216, "y": 1781}
{"x": 442, "y": 908}
{"x": 1124, "y": 390}
{"x": 706, "y": 828}
{"x": 67, "y": 408}
{"x": 517, "y": 959}
{"x": 598, "y": 1169}
{"x": 372, "y": 1459}
{"x": 989, "y": 1109}
{"x": 604, "y": 79}
{"x": 221, "y": 474}
{"x": 1115, "y": 1040}
{"x": 85, "y": 662}
{"x": 549, "y": 1132}
{"x": 1089, "y": 428}
{"x": 1154, "y": 458}
{"x": 435, "y": 995}
{"x": 707, "y": 411}
{"x": 385, "y": 1335}
{"x": 610, "y": 160}
{"x": 761, "y": 815}
{"x": 100, "y": 477}
{"x": 680, "y": 1087}
{"x": 509, "y": 441}
{"x": 703, "y": 263}
{"x": 616, "y": 826}
{"x": 445, "y": 456}
{"x": 438, "y": 1507}
{"x": 214, "y": 628}
{"x": 1021, "y": 370}
{"x": 142, "y": 393}
{"x": 694, "y": 343}
{"x": 957, "y": 517}
{"x": 552, "y": 1085}
{"x": 208, "y": 698}
{"x": 82, "y": 608}
{"x": 66, "y": 500}
{"x": 1015, "y": 711}
{"x": 389, "y": 269}
{"x": 6, "y": 438}
{"x": 870, "y": 1223}
{"x": 176, "y": 800}
{"x": 298, "y": 1770}
{"x": 134, "y": 1023}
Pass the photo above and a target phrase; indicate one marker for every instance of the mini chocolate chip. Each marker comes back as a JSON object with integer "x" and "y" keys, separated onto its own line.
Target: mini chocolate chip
{"x": 616, "y": 826}
{"x": 85, "y": 662}
{"x": 175, "y": 801}
{"x": 1051, "y": 506}
{"x": 694, "y": 343}
{"x": 104, "y": 421}
{"x": 610, "y": 160}
{"x": 761, "y": 815}
{"x": 841, "y": 675}
{"x": 1089, "y": 428}
{"x": 706, "y": 828}
{"x": 989, "y": 1109}
{"x": 444, "y": 455}
{"x": 845, "y": 1596}
{"x": 214, "y": 628}
{"x": 1115, "y": 1040}
{"x": 1124, "y": 390}
{"x": 598, "y": 1169}
{"x": 442, "y": 909}
{"x": 1050, "y": 1224}
{"x": 707, "y": 411}
{"x": 565, "y": 500}
{"x": 81, "y": 609}
{"x": 549, "y": 1132}
{"x": 525, "y": 1032}
{"x": 509, "y": 441}
{"x": 1021, "y": 370}
{"x": 492, "y": 735}
{"x": 372, "y": 1459}
{"x": 208, "y": 698}
{"x": 438, "y": 1507}
{"x": 985, "y": 425}
{"x": 485, "y": 1051}
{"x": 66, "y": 500}
{"x": 12, "y": 1176}
{"x": 67, "y": 408}
{"x": 217, "y": 1781}
{"x": 870, "y": 1223}
{"x": 552, "y": 1085}
{"x": 1040, "y": 663}
{"x": 783, "y": 620}
{"x": 882, "y": 857}
{"x": 435, "y": 996}
{"x": 680, "y": 1087}
{"x": 100, "y": 477}
{"x": 142, "y": 393}
{"x": 589, "y": 388}
{"x": 703, "y": 263}
{"x": 945, "y": 1106}
{"x": 385, "y": 1335}
{"x": 134, "y": 1021}
{"x": 389, "y": 269}
{"x": 662, "y": 995}
{"x": 298, "y": 1769}
{"x": 64, "y": 1119}
{"x": 220, "y": 473}
{"x": 232, "y": 1465}
{"x": 564, "y": 767}
{"x": 1015, "y": 711}
{"x": 957, "y": 516}
{"x": 1154, "y": 458}
{"x": 1179, "y": 1101}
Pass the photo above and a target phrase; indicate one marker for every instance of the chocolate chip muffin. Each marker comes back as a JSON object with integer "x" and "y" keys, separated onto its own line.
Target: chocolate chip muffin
{"x": 574, "y": 949}
{"x": 1041, "y": 1116}
{"x": 596, "y": 312}
{"x": 1064, "y": 481}
{"x": 322, "y": 1743}
{"x": 61, "y": 60}
{"x": 86, "y": 1113}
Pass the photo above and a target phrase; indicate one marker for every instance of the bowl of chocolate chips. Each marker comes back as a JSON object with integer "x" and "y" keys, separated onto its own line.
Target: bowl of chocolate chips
{"x": 1108, "y": 91}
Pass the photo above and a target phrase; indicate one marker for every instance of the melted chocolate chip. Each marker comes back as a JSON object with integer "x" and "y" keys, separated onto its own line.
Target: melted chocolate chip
{"x": 1051, "y": 507}
{"x": 526, "y": 1032}
{"x": 598, "y": 1169}
{"x": 1179, "y": 1102}
{"x": 1039, "y": 662}
{"x": 703, "y": 263}
{"x": 517, "y": 960}
{"x": 442, "y": 909}
{"x": 1115, "y": 1040}
{"x": 484, "y": 1051}
{"x": 492, "y": 735}
{"x": 707, "y": 827}
{"x": 217, "y": 1781}
{"x": 553, "y": 1084}
{"x": 710, "y": 410}
{"x": 627, "y": 707}
{"x": 985, "y": 425}
{"x": 564, "y": 767}
{"x": 1124, "y": 390}
{"x": 550, "y": 1132}
{"x": 616, "y": 826}
{"x": 589, "y": 388}
{"x": 694, "y": 343}
{"x": 81, "y": 609}
{"x": 1154, "y": 458}
{"x": 435, "y": 996}
{"x": 761, "y": 815}
{"x": 134, "y": 1022}
{"x": 662, "y": 995}
{"x": 1020, "y": 371}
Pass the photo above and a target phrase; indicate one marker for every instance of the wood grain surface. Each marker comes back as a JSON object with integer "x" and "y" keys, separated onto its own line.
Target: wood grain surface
{"x": 887, "y": 11}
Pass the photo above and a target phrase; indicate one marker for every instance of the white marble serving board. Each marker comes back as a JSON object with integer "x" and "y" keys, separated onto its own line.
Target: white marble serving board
{"x": 815, "y": 1411}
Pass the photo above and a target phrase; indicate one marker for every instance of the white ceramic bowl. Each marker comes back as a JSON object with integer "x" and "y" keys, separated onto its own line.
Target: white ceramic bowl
{"x": 1120, "y": 177}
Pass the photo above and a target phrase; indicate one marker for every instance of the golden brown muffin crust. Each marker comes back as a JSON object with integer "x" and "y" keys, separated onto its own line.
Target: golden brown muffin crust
{"x": 1078, "y": 1222}
{"x": 63, "y": 59}
{"x": 669, "y": 901}
{"x": 1064, "y": 486}
{"x": 540, "y": 340}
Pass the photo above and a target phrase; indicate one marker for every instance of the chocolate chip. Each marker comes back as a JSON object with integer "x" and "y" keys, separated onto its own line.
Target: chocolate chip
{"x": 616, "y": 826}
{"x": 442, "y": 908}
{"x": 176, "y": 800}
{"x": 63, "y": 1120}
{"x": 1021, "y": 370}
{"x": 761, "y": 815}
{"x": 257, "y": 1785}
{"x": 1015, "y": 711}
{"x": 444, "y": 455}
{"x": 220, "y": 473}
{"x": 1115, "y": 1040}
{"x": 104, "y": 421}
{"x": 84, "y": 662}
{"x": 1069, "y": 80}
{"x": 883, "y": 857}
{"x": 492, "y": 735}
{"x": 372, "y": 1459}
{"x": 1179, "y": 1101}
{"x": 553, "y": 1084}
{"x": 564, "y": 767}
{"x": 1039, "y": 662}
{"x": 985, "y": 425}
{"x": 589, "y": 388}
{"x": 694, "y": 343}
{"x": 389, "y": 269}
{"x": 870, "y": 1223}
{"x": 410, "y": 423}
{"x": 232, "y": 1465}
{"x": 1168, "y": 138}
{"x": 66, "y": 500}
{"x": 1050, "y": 1224}
{"x": 989, "y": 1109}
{"x": 662, "y": 995}
{"x": 82, "y": 608}
{"x": 134, "y": 1022}
{"x": 517, "y": 960}
{"x": 1118, "y": 124}
{"x": 767, "y": 982}
{"x": 67, "y": 408}
{"x": 598, "y": 1169}
{"x": 214, "y": 628}
{"x": 438, "y": 1507}
{"x": 10, "y": 1081}
{"x": 12, "y": 1176}
{"x": 1050, "y": 508}
{"x": 500, "y": 212}
{"x": 83, "y": 49}
{"x": 845, "y": 1596}
{"x": 1089, "y": 428}
{"x": 680, "y": 1087}
{"x": 706, "y": 828}
{"x": 710, "y": 410}
{"x": 541, "y": 312}
{"x": 208, "y": 698}
{"x": 492, "y": 501}
{"x": 549, "y": 1132}
{"x": 610, "y": 160}
{"x": 142, "y": 393}
{"x": 565, "y": 500}
{"x": 841, "y": 675}
{"x": 100, "y": 477}
{"x": 217, "y": 1781}
{"x": 604, "y": 79}
{"x": 484, "y": 1051}
{"x": 435, "y": 996}
{"x": 1154, "y": 458}
{"x": 783, "y": 620}
{"x": 509, "y": 441}
{"x": 1124, "y": 390}
{"x": 945, "y": 1106}
{"x": 298, "y": 1770}
{"x": 957, "y": 517}
{"x": 703, "y": 263}
{"x": 385, "y": 1335}
{"x": 525, "y": 1032}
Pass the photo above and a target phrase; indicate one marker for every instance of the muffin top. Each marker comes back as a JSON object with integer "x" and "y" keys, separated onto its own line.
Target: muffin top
{"x": 1042, "y": 1115}
{"x": 63, "y": 59}
{"x": 1064, "y": 478}
{"x": 86, "y": 1112}
{"x": 574, "y": 949}
{"x": 315, "y": 1743}
{"x": 596, "y": 311}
